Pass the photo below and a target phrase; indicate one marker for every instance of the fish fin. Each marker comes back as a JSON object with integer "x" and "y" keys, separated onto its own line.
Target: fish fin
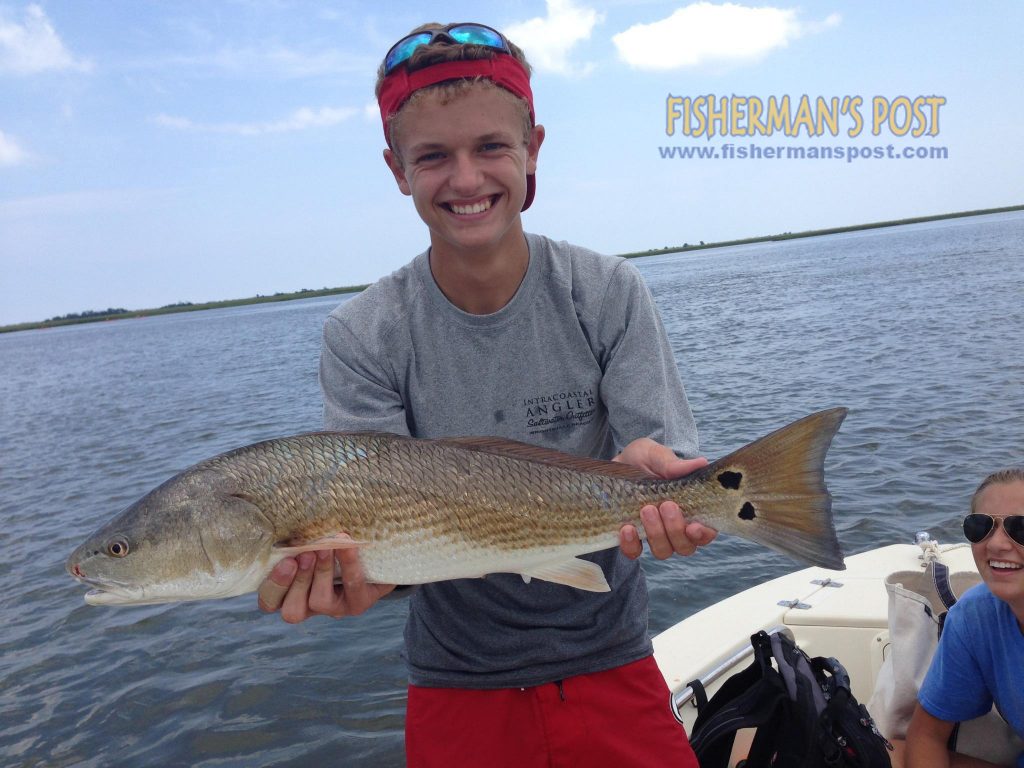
{"x": 500, "y": 446}
{"x": 574, "y": 572}
{"x": 336, "y": 541}
{"x": 776, "y": 488}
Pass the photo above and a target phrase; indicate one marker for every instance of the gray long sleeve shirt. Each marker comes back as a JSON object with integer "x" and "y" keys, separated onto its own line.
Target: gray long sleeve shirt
{"x": 578, "y": 361}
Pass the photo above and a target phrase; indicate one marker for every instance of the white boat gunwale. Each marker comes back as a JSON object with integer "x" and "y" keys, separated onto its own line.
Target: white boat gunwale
{"x": 827, "y": 613}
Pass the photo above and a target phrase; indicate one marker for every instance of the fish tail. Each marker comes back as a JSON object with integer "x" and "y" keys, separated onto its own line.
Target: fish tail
{"x": 775, "y": 491}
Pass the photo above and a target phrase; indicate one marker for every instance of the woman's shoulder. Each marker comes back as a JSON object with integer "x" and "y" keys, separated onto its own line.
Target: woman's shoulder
{"x": 978, "y": 604}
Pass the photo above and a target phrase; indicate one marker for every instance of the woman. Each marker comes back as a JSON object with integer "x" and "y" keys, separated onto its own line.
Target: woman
{"x": 980, "y": 658}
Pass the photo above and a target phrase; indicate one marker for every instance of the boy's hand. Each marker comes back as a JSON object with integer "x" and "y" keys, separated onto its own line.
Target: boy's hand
{"x": 667, "y": 531}
{"x": 303, "y": 586}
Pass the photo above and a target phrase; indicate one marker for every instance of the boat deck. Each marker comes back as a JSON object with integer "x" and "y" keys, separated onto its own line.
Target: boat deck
{"x": 830, "y": 613}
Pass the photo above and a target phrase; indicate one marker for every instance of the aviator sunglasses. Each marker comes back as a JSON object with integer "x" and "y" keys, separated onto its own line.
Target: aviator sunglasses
{"x": 978, "y": 527}
{"x": 460, "y": 34}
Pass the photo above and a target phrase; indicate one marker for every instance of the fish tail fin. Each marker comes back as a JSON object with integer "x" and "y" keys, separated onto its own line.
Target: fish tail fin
{"x": 775, "y": 491}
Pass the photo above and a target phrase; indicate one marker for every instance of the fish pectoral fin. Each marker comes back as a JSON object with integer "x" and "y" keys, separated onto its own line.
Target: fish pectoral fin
{"x": 335, "y": 541}
{"x": 575, "y": 572}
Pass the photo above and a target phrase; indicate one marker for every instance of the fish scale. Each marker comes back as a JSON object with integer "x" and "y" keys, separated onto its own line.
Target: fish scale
{"x": 428, "y": 510}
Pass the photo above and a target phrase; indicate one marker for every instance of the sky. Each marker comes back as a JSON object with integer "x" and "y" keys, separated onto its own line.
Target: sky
{"x": 157, "y": 152}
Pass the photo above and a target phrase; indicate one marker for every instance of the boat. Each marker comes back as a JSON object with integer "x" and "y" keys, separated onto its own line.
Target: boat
{"x": 843, "y": 614}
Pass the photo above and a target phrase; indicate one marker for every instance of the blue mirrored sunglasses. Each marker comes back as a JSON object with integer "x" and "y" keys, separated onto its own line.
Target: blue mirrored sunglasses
{"x": 460, "y": 34}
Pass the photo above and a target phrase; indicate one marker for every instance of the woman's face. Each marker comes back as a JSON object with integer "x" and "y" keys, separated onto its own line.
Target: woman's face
{"x": 999, "y": 558}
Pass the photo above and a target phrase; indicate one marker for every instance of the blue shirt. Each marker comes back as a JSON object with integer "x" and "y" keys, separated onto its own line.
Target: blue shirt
{"x": 980, "y": 660}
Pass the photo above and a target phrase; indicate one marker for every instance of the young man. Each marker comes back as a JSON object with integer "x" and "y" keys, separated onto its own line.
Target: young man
{"x": 493, "y": 331}
{"x": 980, "y": 658}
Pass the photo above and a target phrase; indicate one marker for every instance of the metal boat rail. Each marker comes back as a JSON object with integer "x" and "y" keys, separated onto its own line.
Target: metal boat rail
{"x": 686, "y": 695}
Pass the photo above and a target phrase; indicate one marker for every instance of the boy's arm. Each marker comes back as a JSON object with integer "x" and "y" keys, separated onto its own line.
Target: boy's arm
{"x": 667, "y": 531}
{"x": 644, "y": 395}
{"x": 359, "y": 391}
{"x": 640, "y": 384}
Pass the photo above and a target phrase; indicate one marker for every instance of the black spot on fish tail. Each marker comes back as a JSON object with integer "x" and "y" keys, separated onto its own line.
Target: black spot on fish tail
{"x": 747, "y": 511}
{"x": 730, "y": 480}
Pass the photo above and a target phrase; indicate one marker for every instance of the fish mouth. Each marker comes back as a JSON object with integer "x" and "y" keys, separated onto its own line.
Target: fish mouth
{"x": 106, "y": 592}
{"x": 106, "y": 597}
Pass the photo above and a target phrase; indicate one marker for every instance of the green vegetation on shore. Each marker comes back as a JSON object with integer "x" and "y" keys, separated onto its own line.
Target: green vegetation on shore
{"x": 181, "y": 306}
{"x": 818, "y": 232}
{"x": 93, "y": 316}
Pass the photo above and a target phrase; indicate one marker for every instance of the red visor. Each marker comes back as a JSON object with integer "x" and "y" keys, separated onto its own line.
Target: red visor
{"x": 502, "y": 69}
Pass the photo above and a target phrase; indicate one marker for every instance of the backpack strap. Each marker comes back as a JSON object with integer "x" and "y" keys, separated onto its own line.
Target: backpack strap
{"x": 838, "y": 689}
{"x": 700, "y": 693}
{"x": 795, "y": 668}
{"x": 748, "y": 699}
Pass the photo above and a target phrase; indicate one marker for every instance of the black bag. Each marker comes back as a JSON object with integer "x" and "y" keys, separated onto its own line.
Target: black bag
{"x": 803, "y": 711}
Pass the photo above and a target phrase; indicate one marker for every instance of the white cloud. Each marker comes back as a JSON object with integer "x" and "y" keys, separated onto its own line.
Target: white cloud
{"x": 702, "y": 32}
{"x": 33, "y": 46}
{"x": 299, "y": 120}
{"x": 830, "y": 21}
{"x": 548, "y": 41}
{"x": 11, "y": 153}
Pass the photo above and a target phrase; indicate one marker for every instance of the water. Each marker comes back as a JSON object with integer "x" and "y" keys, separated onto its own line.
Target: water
{"x": 918, "y": 330}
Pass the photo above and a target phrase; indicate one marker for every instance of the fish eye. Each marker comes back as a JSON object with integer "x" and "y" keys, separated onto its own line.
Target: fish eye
{"x": 117, "y": 547}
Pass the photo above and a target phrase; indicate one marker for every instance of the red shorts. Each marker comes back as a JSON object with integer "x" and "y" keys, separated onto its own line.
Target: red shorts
{"x": 616, "y": 718}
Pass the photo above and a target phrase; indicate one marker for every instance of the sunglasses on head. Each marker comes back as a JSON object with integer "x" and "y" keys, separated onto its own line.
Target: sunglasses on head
{"x": 460, "y": 34}
{"x": 978, "y": 527}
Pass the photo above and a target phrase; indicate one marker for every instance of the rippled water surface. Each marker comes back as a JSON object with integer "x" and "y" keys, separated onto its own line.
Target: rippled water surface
{"x": 918, "y": 330}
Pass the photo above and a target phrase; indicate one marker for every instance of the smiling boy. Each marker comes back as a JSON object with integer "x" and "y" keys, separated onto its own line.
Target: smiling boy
{"x": 493, "y": 331}
{"x": 980, "y": 658}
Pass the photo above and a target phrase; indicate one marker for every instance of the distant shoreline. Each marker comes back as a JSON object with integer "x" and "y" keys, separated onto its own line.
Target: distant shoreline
{"x": 98, "y": 317}
{"x": 95, "y": 317}
{"x": 820, "y": 232}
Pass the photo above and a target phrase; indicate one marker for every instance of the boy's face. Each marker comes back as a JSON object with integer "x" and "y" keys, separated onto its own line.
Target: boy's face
{"x": 465, "y": 164}
{"x": 999, "y": 559}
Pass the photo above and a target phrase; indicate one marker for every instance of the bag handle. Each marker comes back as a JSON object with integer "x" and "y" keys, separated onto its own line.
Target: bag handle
{"x": 940, "y": 580}
{"x": 699, "y": 694}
